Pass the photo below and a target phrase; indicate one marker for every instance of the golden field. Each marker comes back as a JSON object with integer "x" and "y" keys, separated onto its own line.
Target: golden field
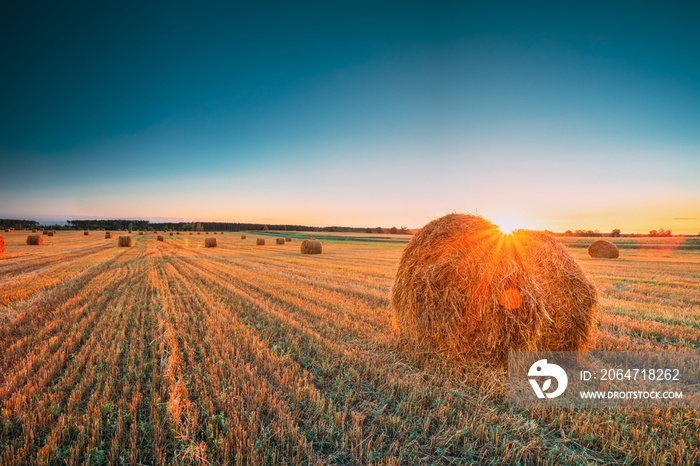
{"x": 242, "y": 354}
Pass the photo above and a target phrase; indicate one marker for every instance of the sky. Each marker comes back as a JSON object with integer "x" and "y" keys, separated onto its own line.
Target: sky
{"x": 563, "y": 115}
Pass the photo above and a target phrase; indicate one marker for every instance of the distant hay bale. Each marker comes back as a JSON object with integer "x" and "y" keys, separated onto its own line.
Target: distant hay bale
{"x": 129, "y": 231}
{"x": 52, "y": 233}
{"x": 171, "y": 233}
{"x": 177, "y": 233}
{"x": 46, "y": 232}
{"x": 214, "y": 232}
{"x": 190, "y": 234}
{"x": 603, "y": 249}
{"x": 86, "y": 233}
{"x": 140, "y": 233}
{"x": 311, "y": 246}
{"x": 242, "y": 236}
{"x": 160, "y": 238}
{"x": 35, "y": 230}
{"x": 7, "y": 230}
{"x": 260, "y": 242}
{"x": 108, "y": 235}
{"x": 35, "y": 240}
{"x": 280, "y": 241}
{"x": 199, "y": 232}
{"x": 210, "y": 242}
{"x": 125, "y": 242}
{"x": 288, "y": 239}
{"x": 465, "y": 289}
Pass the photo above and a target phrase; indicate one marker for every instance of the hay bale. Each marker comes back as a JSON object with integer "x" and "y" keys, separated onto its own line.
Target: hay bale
{"x": 171, "y": 233}
{"x": 242, "y": 236}
{"x": 2, "y": 247}
{"x": 280, "y": 241}
{"x": 311, "y": 246}
{"x": 177, "y": 233}
{"x": 46, "y": 232}
{"x": 86, "y": 233}
{"x": 125, "y": 242}
{"x": 288, "y": 239}
{"x": 160, "y": 238}
{"x": 7, "y": 230}
{"x": 108, "y": 235}
{"x": 140, "y": 233}
{"x": 129, "y": 231}
{"x": 190, "y": 234}
{"x": 603, "y": 249}
{"x": 465, "y": 289}
{"x": 35, "y": 231}
{"x": 260, "y": 242}
{"x": 35, "y": 240}
{"x": 199, "y": 233}
{"x": 210, "y": 242}
{"x": 52, "y": 233}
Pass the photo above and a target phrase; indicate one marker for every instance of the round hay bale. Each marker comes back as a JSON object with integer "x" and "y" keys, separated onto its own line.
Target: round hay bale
{"x": 108, "y": 235}
{"x": 288, "y": 239}
{"x": 160, "y": 238}
{"x": 2, "y": 247}
{"x": 311, "y": 246}
{"x": 177, "y": 233}
{"x": 242, "y": 236}
{"x": 171, "y": 233}
{"x": 199, "y": 232}
{"x": 52, "y": 233}
{"x": 140, "y": 233}
{"x": 129, "y": 231}
{"x": 35, "y": 240}
{"x": 86, "y": 233}
{"x": 603, "y": 249}
{"x": 46, "y": 232}
{"x": 465, "y": 289}
{"x": 35, "y": 231}
{"x": 190, "y": 234}
{"x": 280, "y": 241}
{"x": 260, "y": 242}
{"x": 7, "y": 230}
{"x": 125, "y": 242}
{"x": 210, "y": 243}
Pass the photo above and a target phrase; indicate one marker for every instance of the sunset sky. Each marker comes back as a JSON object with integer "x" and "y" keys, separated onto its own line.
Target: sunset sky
{"x": 563, "y": 115}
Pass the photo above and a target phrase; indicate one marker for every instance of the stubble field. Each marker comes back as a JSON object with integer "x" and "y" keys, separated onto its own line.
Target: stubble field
{"x": 243, "y": 354}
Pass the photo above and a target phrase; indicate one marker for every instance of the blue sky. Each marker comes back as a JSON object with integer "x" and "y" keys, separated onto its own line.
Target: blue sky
{"x": 353, "y": 113}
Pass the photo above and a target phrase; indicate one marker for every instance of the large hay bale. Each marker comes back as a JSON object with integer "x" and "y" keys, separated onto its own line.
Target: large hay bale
{"x": 210, "y": 242}
{"x": 125, "y": 242}
{"x": 35, "y": 240}
{"x": 242, "y": 236}
{"x": 311, "y": 246}
{"x": 86, "y": 233}
{"x": 603, "y": 249}
{"x": 52, "y": 233}
{"x": 464, "y": 288}
{"x": 7, "y": 230}
{"x": 280, "y": 241}
{"x": 160, "y": 238}
{"x": 288, "y": 239}
{"x": 108, "y": 235}
{"x": 260, "y": 242}
{"x": 2, "y": 247}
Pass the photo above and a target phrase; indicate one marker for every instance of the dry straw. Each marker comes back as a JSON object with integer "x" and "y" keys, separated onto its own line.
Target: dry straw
{"x": 260, "y": 242}
{"x": 160, "y": 238}
{"x": 125, "y": 242}
{"x": 465, "y": 289}
{"x": 280, "y": 241}
{"x": 108, "y": 235}
{"x": 2, "y": 247}
{"x": 311, "y": 246}
{"x": 35, "y": 240}
{"x": 603, "y": 249}
{"x": 210, "y": 242}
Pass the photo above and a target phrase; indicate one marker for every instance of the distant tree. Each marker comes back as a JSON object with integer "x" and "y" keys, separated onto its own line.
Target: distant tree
{"x": 393, "y": 230}
{"x": 615, "y": 233}
{"x": 379, "y": 230}
{"x": 368, "y": 230}
{"x": 265, "y": 228}
{"x": 283, "y": 228}
{"x": 404, "y": 231}
{"x": 653, "y": 233}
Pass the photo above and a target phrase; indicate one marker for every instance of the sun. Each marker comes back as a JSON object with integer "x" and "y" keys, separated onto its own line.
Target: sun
{"x": 508, "y": 224}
